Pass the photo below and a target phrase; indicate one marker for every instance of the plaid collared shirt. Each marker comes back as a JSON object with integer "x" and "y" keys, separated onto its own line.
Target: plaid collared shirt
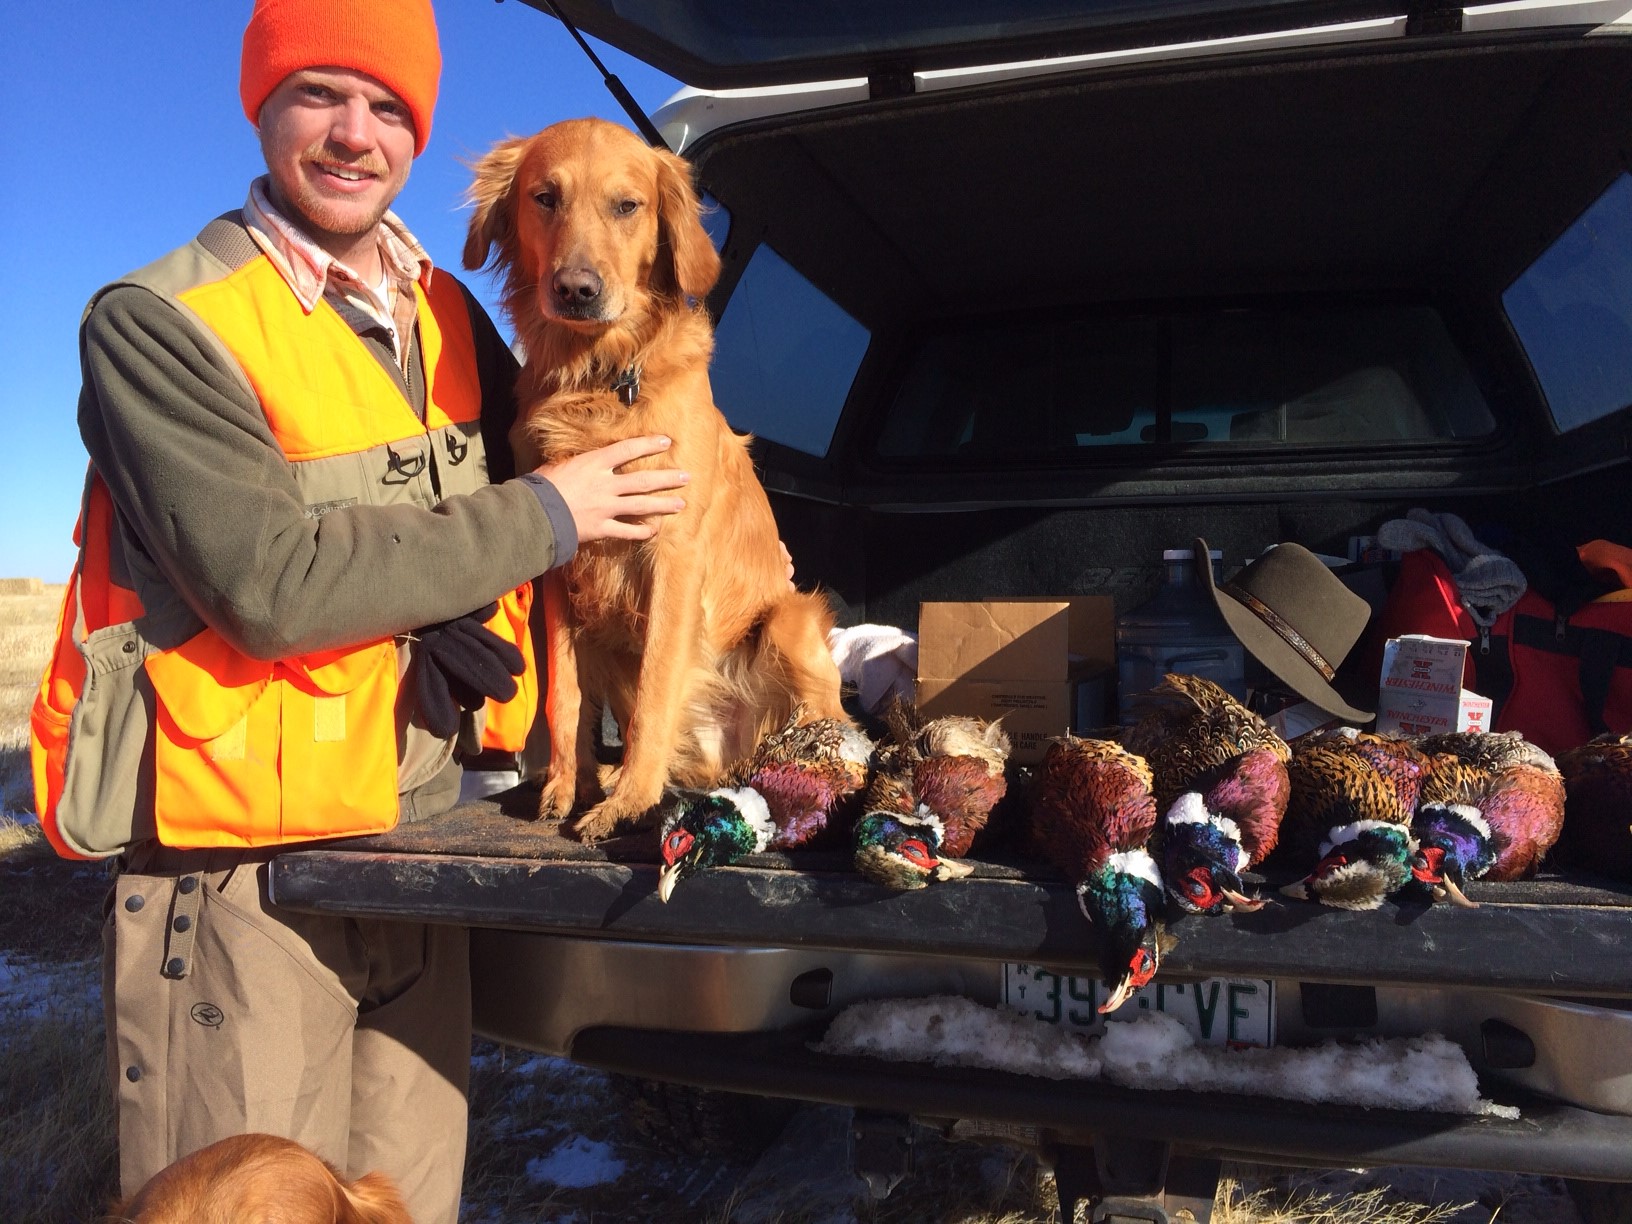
{"x": 312, "y": 272}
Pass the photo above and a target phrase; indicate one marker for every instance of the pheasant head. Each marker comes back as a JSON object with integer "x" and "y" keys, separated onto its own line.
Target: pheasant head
{"x": 1360, "y": 864}
{"x": 1202, "y": 859}
{"x": 1122, "y": 899}
{"x": 1454, "y": 845}
{"x": 714, "y": 830}
{"x": 903, "y": 851}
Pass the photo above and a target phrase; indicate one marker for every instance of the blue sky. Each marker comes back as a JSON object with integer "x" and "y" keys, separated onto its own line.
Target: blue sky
{"x": 121, "y": 134}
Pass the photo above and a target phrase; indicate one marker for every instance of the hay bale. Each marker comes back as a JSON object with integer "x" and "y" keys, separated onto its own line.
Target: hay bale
{"x": 21, "y": 586}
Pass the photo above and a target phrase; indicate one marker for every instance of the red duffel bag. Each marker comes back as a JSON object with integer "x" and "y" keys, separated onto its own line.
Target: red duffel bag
{"x": 1559, "y": 679}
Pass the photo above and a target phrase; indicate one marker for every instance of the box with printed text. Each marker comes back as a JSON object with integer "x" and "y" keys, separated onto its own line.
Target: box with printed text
{"x": 1420, "y": 690}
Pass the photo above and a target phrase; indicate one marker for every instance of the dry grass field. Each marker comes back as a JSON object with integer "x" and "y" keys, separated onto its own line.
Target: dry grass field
{"x": 549, "y": 1141}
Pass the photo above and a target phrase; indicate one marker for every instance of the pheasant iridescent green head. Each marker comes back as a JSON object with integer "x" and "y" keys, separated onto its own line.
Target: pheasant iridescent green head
{"x": 903, "y": 851}
{"x": 1360, "y": 864}
{"x": 1454, "y": 845}
{"x": 1202, "y": 859}
{"x": 715, "y": 830}
{"x": 1123, "y": 901}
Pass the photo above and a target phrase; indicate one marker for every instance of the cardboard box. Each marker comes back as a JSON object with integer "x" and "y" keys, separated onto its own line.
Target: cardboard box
{"x": 1020, "y": 660}
{"x": 1420, "y": 690}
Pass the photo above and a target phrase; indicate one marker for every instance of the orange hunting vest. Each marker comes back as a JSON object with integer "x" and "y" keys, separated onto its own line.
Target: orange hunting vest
{"x": 251, "y": 752}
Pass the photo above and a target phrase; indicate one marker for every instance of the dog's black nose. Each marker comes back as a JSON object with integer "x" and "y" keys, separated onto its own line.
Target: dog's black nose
{"x": 576, "y": 287}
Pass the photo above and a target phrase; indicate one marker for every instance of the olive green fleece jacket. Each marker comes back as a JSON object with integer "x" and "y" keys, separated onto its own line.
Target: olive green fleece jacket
{"x": 172, "y": 427}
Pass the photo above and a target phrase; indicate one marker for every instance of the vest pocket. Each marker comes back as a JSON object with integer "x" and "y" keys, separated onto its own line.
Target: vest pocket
{"x": 90, "y": 798}
{"x": 253, "y": 753}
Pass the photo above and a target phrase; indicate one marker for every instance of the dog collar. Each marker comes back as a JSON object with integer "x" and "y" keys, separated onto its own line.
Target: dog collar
{"x": 627, "y": 385}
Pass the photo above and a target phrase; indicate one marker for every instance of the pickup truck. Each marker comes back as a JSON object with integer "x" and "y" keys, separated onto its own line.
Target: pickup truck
{"x": 1015, "y": 297}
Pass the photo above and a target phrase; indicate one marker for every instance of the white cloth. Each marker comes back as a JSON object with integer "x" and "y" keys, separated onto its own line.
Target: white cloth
{"x": 480, "y": 783}
{"x": 878, "y": 661}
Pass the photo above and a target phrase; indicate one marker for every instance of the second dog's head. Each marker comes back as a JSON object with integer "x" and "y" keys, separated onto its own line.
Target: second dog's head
{"x": 593, "y": 228}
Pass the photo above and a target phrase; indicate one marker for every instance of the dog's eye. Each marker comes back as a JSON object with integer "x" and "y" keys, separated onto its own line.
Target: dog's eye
{"x": 624, "y": 207}
{"x": 545, "y": 200}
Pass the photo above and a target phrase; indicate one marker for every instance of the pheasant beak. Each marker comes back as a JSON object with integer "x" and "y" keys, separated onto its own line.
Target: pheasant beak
{"x": 1240, "y": 903}
{"x": 1140, "y": 971}
{"x": 1299, "y": 891}
{"x": 1447, "y": 889}
{"x": 952, "y": 869}
{"x": 1119, "y": 996}
{"x": 667, "y": 878}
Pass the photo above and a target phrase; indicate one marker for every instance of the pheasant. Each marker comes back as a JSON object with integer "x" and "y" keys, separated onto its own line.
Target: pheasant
{"x": 1597, "y": 834}
{"x": 1346, "y": 817}
{"x": 1220, "y": 779}
{"x": 1092, "y": 814}
{"x": 934, "y": 785}
{"x": 1402, "y": 763}
{"x": 800, "y": 782}
{"x": 1491, "y": 807}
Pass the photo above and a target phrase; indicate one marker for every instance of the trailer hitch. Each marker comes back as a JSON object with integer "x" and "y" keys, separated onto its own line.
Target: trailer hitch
{"x": 880, "y": 1150}
{"x": 1135, "y": 1181}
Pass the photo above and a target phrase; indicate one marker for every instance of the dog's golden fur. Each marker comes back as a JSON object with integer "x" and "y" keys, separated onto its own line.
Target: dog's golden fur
{"x": 260, "y": 1179}
{"x": 694, "y": 638}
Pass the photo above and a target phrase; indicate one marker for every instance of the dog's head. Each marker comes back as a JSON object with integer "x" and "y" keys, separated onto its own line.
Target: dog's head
{"x": 592, "y": 228}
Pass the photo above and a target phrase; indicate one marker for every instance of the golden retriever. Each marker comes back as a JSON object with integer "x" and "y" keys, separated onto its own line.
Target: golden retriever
{"x": 260, "y": 1179}
{"x": 694, "y": 638}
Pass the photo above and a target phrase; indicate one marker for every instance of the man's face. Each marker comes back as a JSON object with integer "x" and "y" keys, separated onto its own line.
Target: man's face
{"x": 338, "y": 145}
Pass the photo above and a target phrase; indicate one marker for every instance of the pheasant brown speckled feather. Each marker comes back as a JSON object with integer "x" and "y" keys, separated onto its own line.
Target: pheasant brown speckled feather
{"x": 1333, "y": 787}
{"x": 810, "y": 774}
{"x": 1189, "y": 726}
{"x": 953, "y": 765}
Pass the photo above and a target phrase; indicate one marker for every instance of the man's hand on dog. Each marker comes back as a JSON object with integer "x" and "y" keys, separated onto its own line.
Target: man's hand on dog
{"x": 607, "y": 504}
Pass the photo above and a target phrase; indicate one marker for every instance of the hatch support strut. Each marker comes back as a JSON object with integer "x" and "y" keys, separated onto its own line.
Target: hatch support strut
{"x": 625, "y": 99}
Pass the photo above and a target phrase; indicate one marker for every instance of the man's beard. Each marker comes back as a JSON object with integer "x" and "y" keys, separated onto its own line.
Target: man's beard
{"x": 325, "y": 217}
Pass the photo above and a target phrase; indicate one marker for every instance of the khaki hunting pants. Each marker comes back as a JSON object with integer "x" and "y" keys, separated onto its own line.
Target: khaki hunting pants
{"x": 226, "y": 1015}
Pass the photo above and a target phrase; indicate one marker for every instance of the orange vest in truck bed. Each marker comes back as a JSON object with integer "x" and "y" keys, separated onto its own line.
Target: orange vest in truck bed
{"x": 1559, "y": 679}
{"x": 245, "y": 751}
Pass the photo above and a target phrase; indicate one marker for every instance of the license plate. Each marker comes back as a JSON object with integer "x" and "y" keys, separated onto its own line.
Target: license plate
{"x": 1219, "y": 1011}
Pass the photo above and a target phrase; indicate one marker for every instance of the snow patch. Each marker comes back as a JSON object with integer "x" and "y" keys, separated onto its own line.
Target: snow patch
{"x": 1156, "y": 1051}
{"x": 576, "y": 1164}
{"x": 951, "y": 1031}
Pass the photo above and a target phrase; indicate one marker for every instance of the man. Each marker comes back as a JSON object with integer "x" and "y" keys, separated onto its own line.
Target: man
{"x": 297, "y": 591}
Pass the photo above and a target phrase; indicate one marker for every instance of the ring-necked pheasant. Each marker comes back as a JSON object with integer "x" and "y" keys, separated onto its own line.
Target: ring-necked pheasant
{"x": 1092, "y": 814}
{"x": 934, "y": 785}
{"x": 1345, "y": 826}
{"x": 802, "y": 781}
{"x": 1219, "y": 776}
{"x": 1491, "y": 807}
{"x": 1597, "y": 834}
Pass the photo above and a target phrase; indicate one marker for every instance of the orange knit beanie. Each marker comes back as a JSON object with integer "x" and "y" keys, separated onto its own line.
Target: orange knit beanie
{"x": 393, "y": 41}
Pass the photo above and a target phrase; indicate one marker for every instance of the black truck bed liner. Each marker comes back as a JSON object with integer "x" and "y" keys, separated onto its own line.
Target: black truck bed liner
{"x": 486, "y": 864}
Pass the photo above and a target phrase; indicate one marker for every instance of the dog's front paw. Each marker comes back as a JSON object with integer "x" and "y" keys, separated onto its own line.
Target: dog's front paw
{"x": 612, "y": 817}
{"x": 556, "y": 800}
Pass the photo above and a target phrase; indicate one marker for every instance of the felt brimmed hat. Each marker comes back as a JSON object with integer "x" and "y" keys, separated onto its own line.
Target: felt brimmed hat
{"x": 1296, "y": 618}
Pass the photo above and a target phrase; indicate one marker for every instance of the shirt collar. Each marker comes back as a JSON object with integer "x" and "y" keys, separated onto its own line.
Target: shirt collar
{"x": 307, "y": 267}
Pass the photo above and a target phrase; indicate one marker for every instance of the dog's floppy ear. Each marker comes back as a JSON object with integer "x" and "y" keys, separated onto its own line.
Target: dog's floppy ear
{"x": 490, "y": 193}
{"x": 693, "y": 263}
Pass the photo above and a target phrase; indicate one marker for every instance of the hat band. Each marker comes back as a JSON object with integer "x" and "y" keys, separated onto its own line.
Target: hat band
{"x": 1282, "y": 630}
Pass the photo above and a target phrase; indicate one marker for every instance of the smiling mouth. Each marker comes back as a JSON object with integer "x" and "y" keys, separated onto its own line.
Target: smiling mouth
{"x": 347, "y": 174}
